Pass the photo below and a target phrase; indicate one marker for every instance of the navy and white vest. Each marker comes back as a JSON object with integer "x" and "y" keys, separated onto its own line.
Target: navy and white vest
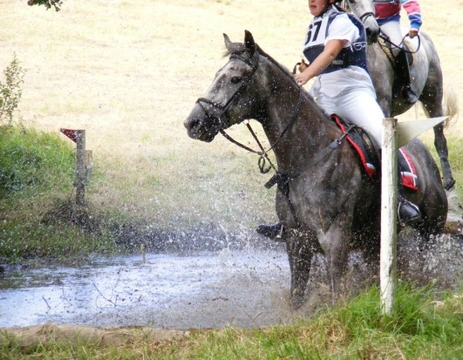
{"x": 353, "y": 55}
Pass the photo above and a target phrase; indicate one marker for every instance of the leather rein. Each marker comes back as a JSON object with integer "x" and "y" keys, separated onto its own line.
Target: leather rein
{"x": 222, "y": 109}
{"x": 279, "y": 178}
{"x": 216, "y": 112}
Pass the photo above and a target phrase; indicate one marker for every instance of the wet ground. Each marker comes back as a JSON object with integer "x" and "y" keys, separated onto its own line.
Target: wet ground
{"x": 201, "y": 290}
{"x": 240, "y": 286}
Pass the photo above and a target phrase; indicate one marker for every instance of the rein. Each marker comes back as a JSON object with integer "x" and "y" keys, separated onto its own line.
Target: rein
{"x": 282, "y": 179}
{"x": 263, "y": 154}
{"x": 386, "y": 40}
{"x": 221, "y": 111}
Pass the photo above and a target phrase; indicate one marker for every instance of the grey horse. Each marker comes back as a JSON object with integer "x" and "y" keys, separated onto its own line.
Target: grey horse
{"x": 426, "y": 76}
{"x": 324, "y": 197}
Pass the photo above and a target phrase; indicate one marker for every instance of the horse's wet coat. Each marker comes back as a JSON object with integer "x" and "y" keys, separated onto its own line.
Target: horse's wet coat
{"x": 328, "y": 206}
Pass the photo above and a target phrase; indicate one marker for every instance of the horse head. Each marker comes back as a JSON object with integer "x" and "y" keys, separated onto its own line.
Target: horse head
{"x": 365, "y": 10}
{"x": 228, "y": 100}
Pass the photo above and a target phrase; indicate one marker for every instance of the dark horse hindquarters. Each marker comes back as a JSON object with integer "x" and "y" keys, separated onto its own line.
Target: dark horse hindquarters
{"x": 329, "y": 207}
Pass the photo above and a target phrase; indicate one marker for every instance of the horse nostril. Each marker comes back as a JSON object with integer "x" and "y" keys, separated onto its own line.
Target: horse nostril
{"x": 372, "y": 36}
{"x": 194, "y": 126}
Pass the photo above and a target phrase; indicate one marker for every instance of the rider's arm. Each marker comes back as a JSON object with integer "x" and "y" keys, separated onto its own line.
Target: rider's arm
{"x": 322, "y": 61}
{"x": 412, "y": 7}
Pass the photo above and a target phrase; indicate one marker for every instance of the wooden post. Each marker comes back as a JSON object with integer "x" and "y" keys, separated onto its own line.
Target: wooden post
{"x": 395, "y": 135}
{"x": 388, "y": 261}
{"x": 81, "y": 172}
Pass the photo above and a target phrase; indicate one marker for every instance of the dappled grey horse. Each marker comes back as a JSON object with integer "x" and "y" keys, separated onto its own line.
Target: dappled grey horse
{"x": 324, "y": 197}
{"x": 426, "y": 76}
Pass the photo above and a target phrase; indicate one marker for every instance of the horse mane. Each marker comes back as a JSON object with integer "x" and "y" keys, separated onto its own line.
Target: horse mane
{"x": 274, "y": 62}
{"x": 285, "y": 70}
{"x": 241, "y": 49}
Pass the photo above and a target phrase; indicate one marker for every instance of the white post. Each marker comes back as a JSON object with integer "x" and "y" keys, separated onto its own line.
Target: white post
{"x": 388, "y": 261}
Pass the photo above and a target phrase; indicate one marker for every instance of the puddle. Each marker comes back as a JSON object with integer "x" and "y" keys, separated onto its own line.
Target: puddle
{"x": 202, "y": 290}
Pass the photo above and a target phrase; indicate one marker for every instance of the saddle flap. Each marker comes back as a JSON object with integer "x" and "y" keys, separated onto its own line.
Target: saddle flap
{"x": 362, "y": 144}
{"x": 369, "y": 155}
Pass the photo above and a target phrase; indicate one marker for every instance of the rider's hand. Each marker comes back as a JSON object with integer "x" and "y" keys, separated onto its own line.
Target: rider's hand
{"x": 303, "y": 65}
{"x": 412, "y": 33}
{"x": 301, "y": 78}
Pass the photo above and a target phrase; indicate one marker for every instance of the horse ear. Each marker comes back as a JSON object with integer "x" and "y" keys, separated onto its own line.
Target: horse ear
{"x": 228, "y": 43}
{"x": 232, "y": 47}
{"x": 249, "y": 42}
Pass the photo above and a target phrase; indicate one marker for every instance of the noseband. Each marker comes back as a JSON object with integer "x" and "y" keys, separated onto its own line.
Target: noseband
{"x": 365, "y": 16}
{"x": 217, "y": 112}
{"x": 213, "y": 110}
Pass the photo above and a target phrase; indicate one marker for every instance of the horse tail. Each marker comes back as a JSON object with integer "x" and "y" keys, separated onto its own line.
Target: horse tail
{"x": 450, "y": 106}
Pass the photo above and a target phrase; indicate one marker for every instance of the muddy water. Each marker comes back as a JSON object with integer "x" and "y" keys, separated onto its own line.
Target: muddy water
{"x": 201, "y": 290}
{"x": 244, "y": 287}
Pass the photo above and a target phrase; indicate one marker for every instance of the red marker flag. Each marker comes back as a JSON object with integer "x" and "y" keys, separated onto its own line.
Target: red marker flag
{"x": 71, "y": 134}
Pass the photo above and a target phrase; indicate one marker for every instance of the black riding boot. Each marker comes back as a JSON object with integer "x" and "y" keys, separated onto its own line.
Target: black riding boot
{"x": 407, "y": 212}
{"x": 403, "y": 71}
{"x": 272, "y": 230}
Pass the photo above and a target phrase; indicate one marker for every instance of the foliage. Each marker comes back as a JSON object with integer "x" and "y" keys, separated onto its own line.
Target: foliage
{"x": 420, "y": 328}
{"x": 36, "y": 174}
{"x": 30, "y": 160}
{"x": 10, "y": 91}
{"x": 66, "y": 243}
{"x": 47, "y": 3}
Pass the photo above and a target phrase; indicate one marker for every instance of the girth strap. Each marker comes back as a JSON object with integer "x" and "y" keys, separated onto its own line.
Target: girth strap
{"x": 279, "y": 176}
{"x": 283, "y": 179}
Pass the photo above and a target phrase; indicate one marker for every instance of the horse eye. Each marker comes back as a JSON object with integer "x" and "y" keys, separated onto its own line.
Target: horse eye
{"x": 235, "y": 79}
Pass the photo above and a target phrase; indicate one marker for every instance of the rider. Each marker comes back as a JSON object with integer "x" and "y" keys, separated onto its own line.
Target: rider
{"x": 335, "y": 46}
{"x": 388, "y": 18}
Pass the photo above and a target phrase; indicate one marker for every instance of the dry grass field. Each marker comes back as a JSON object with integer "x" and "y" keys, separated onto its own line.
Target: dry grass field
{"x": 129, "y": 72}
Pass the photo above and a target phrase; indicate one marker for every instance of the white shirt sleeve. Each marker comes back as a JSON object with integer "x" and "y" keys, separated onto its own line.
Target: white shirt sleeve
{"x": 342, "y": 29}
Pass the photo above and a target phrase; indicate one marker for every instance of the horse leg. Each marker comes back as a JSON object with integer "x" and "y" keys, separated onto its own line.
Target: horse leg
{"x": 334, "y": 244}
{"x": 431, "y": 98}
{"x": 440, "y": 143}
{"x": 300, "y": 248}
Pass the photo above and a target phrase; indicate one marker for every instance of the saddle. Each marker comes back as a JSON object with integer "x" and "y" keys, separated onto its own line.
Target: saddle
{"x": 369, "y": 155}
{"x": 387, "y": 48}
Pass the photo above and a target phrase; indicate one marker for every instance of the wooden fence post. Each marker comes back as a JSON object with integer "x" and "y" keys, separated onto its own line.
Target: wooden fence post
{"x": 81, "y": 171}
{"x": 388, "y": 261}
{"x": 83, "y": 162}
{"x": 395, "y": 135}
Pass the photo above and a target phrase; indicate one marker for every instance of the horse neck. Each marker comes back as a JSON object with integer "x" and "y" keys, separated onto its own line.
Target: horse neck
{"x": 308, "y": 132}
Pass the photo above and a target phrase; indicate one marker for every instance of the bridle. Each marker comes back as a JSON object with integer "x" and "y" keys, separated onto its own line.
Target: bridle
{"x": 366, "y": 15}
{"x": 362, "y": 17}
{"x": 215, "y": 113}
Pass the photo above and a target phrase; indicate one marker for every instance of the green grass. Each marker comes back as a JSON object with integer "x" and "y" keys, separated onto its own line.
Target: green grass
{"x": 38, "y": 217}
{"x": 419, "y": 328}
{"x": 33, "y": 162}
{"x": 36, "y": 183}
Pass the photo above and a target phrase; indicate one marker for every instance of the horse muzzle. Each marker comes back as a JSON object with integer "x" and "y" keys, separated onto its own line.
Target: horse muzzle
{"x": 203, "y": 128}
{"x": 372, "y": 35}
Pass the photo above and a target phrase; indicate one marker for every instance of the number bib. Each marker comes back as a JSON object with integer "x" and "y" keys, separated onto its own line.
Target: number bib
{"x": 317, "y": 34}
